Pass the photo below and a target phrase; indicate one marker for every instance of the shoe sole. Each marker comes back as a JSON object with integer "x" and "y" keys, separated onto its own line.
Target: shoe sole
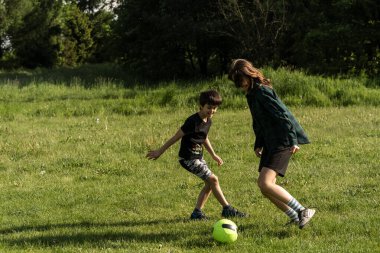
{"x": 234, "y": 216}
{"x": 200, "y": 218}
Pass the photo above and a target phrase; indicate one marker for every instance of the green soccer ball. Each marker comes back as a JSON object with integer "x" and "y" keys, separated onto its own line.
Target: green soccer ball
{"x": 225, "y": 231}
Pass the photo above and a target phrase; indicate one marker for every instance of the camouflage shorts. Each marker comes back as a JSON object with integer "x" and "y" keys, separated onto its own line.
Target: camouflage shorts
{"x": 197, "y": 166}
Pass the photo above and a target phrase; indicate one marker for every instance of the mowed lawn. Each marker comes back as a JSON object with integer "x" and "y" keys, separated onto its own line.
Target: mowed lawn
{"x": 83, "y": 184}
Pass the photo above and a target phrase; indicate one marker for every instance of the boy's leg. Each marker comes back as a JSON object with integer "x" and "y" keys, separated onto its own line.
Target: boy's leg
{"x": 200, "y": 169}
{"x": 228, "y": 211}
{"x": 213, "y": 182}
{"x": 203, "y": 196}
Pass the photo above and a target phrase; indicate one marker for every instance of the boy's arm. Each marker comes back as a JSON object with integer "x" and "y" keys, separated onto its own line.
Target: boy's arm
{"x": 211, "y": 151}
{"x": 154, "y": 154}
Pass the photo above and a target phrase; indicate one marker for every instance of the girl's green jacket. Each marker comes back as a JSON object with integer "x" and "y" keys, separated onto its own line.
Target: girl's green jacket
{"x": 274, "y": 125}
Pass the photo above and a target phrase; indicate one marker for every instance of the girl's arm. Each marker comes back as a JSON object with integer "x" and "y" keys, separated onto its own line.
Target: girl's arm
{"x": 211, "y": 151}
{"x": 154, "y": 154}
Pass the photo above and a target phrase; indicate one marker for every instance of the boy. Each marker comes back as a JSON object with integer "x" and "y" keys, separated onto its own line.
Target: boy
{"x": 194, "y": 135}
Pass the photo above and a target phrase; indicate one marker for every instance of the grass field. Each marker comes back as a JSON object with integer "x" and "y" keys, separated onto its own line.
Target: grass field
{"x": 74, "y": 177}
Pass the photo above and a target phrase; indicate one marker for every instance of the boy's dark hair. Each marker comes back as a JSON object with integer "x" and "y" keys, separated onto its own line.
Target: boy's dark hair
{"x": 210, "y": 97}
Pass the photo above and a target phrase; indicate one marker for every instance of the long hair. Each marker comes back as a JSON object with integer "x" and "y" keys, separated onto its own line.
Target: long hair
{"x": 241, "y": 67}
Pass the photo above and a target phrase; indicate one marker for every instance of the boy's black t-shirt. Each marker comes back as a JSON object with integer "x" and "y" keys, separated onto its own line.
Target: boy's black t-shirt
{"x": 195, "y": 130}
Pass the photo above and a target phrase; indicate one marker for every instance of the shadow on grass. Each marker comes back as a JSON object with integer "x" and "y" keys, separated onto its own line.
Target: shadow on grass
{"x": 87, "y": 224}
{"x": 78, "y": 233}
{"x": 138, "y": 231}
{"x": 274, "y": 232}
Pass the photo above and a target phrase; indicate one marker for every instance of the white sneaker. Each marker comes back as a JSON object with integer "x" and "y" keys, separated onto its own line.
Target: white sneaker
{"x": 305, "y": 216}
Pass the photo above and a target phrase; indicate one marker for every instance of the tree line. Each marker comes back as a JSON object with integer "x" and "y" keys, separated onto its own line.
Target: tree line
{"x": 160, "y": 39}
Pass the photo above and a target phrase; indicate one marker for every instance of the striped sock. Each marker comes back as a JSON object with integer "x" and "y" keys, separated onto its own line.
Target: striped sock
{"x": 293, "y": 215}
{"x": 295, "y": 205}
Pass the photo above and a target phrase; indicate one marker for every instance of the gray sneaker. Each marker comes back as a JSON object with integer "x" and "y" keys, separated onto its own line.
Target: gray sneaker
{"x": 305, "y": 216}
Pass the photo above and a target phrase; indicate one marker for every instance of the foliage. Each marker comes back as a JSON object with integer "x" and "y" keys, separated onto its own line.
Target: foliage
{"x": 178, "y": 38}
{"x": 150, "y": 40}
{"x": 103, "y": 37}
{"x": 342, "y": 36}
{"x": 11, "y": 15}
{"x": 173, "y": 39}
{"x": 53, "y": 35}
{"x": 32, "y": 39}
{"x": 74, "y": 41}
{"x": 337, "y": 40}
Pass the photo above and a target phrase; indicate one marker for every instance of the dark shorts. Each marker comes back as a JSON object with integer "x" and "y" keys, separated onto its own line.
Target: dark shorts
{"x": 277, "y": 160}
{"x": 197, "y": 166}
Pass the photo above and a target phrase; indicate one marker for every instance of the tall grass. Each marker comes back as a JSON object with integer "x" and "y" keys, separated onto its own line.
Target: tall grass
{"x": 108, "y": 89}
{"x": 297, "y": 88}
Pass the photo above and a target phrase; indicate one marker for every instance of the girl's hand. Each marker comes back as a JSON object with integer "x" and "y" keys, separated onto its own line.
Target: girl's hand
{"x": 218, "y": 159}
{"x": 153, "y": 154}
{"x": 294, "y": 149}
{"x": 259, "y": 152}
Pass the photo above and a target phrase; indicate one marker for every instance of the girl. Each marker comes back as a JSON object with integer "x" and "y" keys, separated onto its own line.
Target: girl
{"x": 278, "y": 135}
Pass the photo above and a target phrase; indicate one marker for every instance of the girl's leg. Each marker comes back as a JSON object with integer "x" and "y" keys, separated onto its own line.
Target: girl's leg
{"x": 275, "y": 193}
{"x": 203, "y": 196}
{"x": 282, "y": 199}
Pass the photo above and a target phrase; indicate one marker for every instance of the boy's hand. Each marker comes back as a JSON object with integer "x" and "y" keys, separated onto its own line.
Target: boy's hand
{"x": 153, "y": 154}
{"x": 218, "y": 159}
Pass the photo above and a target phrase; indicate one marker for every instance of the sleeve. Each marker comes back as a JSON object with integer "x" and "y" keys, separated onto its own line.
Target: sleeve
{"x": 279, "y": 114}
{"x": 188, "y": 126}
{"x": 259, "y": 142}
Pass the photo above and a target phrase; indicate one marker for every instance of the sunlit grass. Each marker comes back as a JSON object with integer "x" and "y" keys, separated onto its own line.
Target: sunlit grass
{"x": 74, "y": 177}
{"x": 83, "y": 183}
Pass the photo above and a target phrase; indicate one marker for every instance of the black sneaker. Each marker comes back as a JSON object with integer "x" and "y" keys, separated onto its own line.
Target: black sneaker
{"x": 198, "y": 215}
{"x": 229, "y": 211}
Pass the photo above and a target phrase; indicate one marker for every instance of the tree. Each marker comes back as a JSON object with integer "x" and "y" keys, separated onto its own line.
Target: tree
{"x": 147, "y": 39}
{"x": 342, "y": 37}
{"x": 74, "y": 41}
{"x": 101, "y": 16}
{"x": 11, "y": 15}
{"x": 31, "y": 40}
{"x": 165, "y": 38}
{"x": 196, "y": 36}
{"x": 257, "y": 27}
{"x": 93, "y": 6}
{"x": 52, "y": 33}
{"x": 103, "y": 49}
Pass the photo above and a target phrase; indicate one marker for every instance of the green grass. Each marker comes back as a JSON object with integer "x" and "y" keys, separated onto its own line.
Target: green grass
{"x": 71, "y": 184}
{"x": 74, "y": 177}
